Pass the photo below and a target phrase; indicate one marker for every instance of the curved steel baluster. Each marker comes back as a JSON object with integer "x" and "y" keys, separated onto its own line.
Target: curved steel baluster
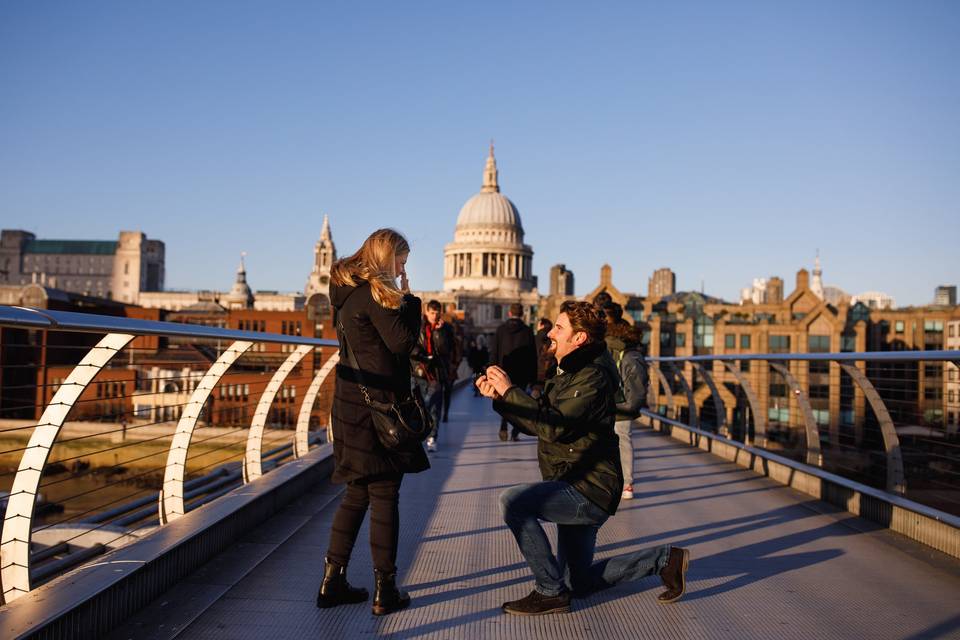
{"x": 252, "y": 467}
{"x": 665, "y": 383}
{"x": 18, "y": 521}
{"x": 759, "y": 415}
{"x": 171, "y": 504}
{"x": 301, "y": 439}
{"x": 718, "y": 405}
{"x": 694, "y": 417}
{"x": 814, "y": 455}
{"x": 896, "y": 482}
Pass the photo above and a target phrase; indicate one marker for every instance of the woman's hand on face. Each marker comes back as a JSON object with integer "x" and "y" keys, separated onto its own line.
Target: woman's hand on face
{"x": 404, "y": 283}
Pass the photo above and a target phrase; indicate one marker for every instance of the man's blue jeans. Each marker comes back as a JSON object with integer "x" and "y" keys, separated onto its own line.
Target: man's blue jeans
{"x": 432, "y": 393}
{"x": 578, "y": 520}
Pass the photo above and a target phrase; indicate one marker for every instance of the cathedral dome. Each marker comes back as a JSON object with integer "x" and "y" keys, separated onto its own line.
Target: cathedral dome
{"x": 487, "y": 252}
{"x": 487, "y": 209}
{"x": 490, "y": 209}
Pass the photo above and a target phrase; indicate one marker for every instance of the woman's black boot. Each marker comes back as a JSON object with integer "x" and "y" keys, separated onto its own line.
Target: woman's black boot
{"x": 386, "y": 597}
{"x": 335, "y": 589}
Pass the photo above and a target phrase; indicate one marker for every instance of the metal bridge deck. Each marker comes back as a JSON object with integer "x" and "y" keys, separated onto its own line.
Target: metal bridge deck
{"x": 767, "y": 562}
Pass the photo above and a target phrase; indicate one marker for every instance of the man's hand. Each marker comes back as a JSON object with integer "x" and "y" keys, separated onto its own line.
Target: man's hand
{"x": 486, "y": 389}
{"x": 499, "y": 379}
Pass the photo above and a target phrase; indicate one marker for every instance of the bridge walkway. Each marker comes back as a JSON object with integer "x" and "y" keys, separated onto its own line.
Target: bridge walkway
{"x": 767, "y": 561}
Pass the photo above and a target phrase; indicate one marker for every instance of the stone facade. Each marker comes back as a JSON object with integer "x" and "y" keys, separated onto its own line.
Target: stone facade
{"x": 118, "y": 270}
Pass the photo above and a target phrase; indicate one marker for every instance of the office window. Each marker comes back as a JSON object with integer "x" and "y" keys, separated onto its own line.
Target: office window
{"x": 681, "y": 339}
{"x": 818, "y": 344}
{"x": 848, "y": 343}
{"x": 778, "y": 390}
{"x": 819, "y": 391}
{"x": 933, "y": 370}
{"x": 730, "y": 341}
{"x": 779, "y": 344}
{"x": 745, "y": 341}
{"x": 819, "y": 366}
{"x": 778, "y": 414}
{"x": 898, "y": 326}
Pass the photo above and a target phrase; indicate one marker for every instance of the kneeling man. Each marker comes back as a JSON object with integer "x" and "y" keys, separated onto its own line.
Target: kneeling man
{"x": 579, "y": 458}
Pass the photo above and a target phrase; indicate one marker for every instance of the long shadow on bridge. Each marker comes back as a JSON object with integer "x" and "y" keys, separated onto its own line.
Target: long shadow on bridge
{"x": 767, "y": 561}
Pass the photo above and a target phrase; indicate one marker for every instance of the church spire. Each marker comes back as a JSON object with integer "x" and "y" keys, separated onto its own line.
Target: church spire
{"x": 490, "y": 184}
{"x": 325, "y": 231}
{"x": 240, "y": 295}
{"x": 816, "y": 285}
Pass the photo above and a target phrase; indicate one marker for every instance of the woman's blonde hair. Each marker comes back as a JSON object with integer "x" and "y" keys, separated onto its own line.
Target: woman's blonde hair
{"x": 374, "y": 263}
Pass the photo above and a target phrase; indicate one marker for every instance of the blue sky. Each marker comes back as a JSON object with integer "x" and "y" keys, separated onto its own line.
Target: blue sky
{"x": 726, "y": 140}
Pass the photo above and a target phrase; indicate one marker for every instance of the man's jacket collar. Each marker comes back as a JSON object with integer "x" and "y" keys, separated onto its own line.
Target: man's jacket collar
{"x": 581, "y": 357}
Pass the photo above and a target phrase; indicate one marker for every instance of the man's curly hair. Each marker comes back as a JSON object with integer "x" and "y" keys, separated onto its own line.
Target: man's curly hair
{"x": 586, "y": 317}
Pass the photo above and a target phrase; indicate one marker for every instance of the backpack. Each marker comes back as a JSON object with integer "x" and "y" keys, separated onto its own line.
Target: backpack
{"x": 633, "y": 389}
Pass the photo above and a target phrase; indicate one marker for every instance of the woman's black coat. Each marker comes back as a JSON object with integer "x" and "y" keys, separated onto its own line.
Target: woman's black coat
{"x": 381, "y": 340}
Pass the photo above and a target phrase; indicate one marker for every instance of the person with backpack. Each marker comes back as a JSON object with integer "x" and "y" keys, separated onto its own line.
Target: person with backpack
{"x": 623, "y": 341}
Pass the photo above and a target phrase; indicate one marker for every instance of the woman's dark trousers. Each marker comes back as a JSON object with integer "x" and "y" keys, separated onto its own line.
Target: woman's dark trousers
{"x": 382, "y": 495}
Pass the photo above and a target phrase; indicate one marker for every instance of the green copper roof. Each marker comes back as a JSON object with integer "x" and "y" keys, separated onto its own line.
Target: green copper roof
{"x": 71, "y": 247}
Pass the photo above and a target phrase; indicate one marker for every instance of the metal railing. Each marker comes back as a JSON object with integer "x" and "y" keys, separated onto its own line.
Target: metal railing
{"x": 888, "y": 420}
{"x": 113, "y": 426}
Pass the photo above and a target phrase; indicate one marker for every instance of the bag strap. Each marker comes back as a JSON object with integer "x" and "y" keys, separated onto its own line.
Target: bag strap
{"x": 352, "y": 361}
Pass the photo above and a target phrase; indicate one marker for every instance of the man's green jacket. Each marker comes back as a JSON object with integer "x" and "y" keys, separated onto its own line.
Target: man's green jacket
{"x": 573, "y": 422}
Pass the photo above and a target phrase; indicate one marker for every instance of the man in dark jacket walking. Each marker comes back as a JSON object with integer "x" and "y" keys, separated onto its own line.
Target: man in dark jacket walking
{"x": 515, "y": 352}
{"x": 579, "y": 459}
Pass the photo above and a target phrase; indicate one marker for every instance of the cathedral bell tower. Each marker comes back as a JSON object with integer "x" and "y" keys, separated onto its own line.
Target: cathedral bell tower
{"x": 324, "y": 255}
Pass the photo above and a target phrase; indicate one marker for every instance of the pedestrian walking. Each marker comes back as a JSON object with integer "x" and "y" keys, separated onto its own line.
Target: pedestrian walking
{"x": 515, "y": 352}
{"x": 623, "y": 341}
{"x": 435, "y": 353}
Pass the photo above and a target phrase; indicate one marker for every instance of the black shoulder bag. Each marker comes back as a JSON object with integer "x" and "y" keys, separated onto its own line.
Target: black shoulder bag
{"x": 396, "y": 423}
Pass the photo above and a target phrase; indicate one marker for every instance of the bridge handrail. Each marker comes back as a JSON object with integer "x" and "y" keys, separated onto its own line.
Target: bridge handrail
{"x": 940, "y": 355}
{"x": 17, "y": 575}
{"x": 27, "y": 318}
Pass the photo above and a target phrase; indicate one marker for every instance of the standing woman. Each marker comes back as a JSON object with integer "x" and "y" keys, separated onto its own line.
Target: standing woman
{"x": 381, "y": 324}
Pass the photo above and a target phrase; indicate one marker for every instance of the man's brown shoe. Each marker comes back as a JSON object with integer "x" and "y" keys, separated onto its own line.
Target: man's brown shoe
{"x": 537, "y": 604}
{"x": 674, "y": 575}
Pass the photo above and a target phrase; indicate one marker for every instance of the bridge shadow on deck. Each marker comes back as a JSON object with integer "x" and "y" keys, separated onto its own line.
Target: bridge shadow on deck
{"x": 766, "y": 561}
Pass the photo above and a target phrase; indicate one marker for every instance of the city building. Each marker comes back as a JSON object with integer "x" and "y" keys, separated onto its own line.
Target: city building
{"x": 952, "y": 377}
{"x": 764, "y": 291}
{"x": 692, "y": 323}
{"x": 945, "y": 295}
{"x": 873, "y": 300}
{"x": 113, "y": 269}
{"x": 663, "y": 282}
{"x": 561, "y": 281}
{"x": 606, "y": 291}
